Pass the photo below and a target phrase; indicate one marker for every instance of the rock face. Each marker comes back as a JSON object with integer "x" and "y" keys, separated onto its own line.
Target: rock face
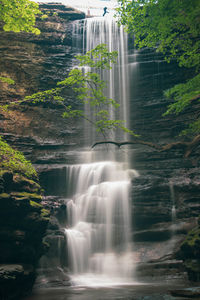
{"x": 36, "y": 63}
{"x": 190, "y": 253}
{"x": 165, "y": 195}
{"x": 23, "y": 222}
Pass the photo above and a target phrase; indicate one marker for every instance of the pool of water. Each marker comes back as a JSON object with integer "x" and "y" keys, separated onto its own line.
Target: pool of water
{"x": 143, "y": 291}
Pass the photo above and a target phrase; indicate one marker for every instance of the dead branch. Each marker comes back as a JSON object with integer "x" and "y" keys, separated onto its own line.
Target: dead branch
{"x": 188, "y": 147}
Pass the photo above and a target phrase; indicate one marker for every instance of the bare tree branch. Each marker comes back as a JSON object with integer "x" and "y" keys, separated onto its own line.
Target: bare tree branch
{"x": 188, "y": 147}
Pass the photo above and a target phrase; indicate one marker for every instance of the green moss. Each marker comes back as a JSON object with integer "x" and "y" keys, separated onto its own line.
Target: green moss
{"x": 190, "y": 248}
{"x": 4, "y": 196}
{"x": 193, "y": 237}
{"x": 35, "y": 204}
{"x": 45, "y": 212}
{"x": 30, "y": 196}
{"x": 26, "y": 183}
{"x": 15, "y": 161}
{"x": 193, "y": 265}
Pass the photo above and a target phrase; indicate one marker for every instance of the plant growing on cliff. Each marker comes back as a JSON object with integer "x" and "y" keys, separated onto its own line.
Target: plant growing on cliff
{"x": 19, "y": 15}
{"x": 172, "y": 28}
{"x": 14, "y": 161}
{"x": 88, "y": 88}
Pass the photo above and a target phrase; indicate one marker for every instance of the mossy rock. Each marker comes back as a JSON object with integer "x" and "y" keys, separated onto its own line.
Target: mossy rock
{"x": 189, "y": 252}
{"x": 192, "y": 267}
{"x": 28, "y": 196}
{"x": 36, "y": 205}
{"x": 190, "y": 248}
{"x": 4, "y": 196}
{"x": 15, "y": 162}
{"x": 21, "y": 183}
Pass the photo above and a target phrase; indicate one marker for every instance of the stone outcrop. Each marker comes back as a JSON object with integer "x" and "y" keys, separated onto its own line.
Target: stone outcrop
{"x": 23, "y": 222}
{"x": 189, "y": 252}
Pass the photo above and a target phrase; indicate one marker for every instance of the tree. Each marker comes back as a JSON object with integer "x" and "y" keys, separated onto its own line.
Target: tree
{"x": 19, "y": 15}
{"x": 171, "y": 27}
{"x": 88, "y": 88}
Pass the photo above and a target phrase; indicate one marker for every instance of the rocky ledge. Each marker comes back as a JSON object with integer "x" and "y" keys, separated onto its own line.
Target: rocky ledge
{"x": 23, "y": 222}
{"x": 190, "y": 253}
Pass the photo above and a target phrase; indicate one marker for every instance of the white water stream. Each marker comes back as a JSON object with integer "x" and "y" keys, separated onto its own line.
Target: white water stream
{"x": 99, "y": 211}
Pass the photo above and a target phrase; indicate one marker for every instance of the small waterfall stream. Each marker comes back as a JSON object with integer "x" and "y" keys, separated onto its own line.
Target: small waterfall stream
{"x": 99, "y": 211}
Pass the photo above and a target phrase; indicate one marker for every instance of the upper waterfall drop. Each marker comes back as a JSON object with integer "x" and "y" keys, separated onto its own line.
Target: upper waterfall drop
{"x": 87, "y": 36}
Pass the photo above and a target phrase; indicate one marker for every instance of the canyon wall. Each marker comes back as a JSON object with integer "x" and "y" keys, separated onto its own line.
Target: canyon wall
{"x": 165, "y": 195}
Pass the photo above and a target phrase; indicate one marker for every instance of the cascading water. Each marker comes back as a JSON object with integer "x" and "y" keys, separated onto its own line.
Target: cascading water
{"x": 97, "y": 31}
{"x": 99, "y": 213}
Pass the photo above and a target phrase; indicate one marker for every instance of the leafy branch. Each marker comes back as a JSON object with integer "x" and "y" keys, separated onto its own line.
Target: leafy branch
{"x": 88, "y": 88}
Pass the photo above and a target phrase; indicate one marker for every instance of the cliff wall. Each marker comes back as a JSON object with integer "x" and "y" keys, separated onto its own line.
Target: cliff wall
{"x": 165, "y": 196}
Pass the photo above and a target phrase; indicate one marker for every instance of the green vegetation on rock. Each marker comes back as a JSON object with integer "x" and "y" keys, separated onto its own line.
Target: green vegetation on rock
{"x": 14, "y": 161}
{"x": 19, "y": 15}
{"x": 172, "y": 28}
{"x": 189, "y": 252}
{"x": 88, "y": 88}
{"x": 190, "y": 248}
{"x": 7, "y": 80}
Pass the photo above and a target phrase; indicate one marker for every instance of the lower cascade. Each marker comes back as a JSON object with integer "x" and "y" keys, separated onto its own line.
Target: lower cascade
{"x": 98, "y": 231}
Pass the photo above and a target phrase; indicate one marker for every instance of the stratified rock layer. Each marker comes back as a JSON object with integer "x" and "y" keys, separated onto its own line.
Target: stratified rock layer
{"x": 23, "y": 222}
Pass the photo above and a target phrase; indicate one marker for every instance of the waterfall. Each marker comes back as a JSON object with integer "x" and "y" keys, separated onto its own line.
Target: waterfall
{"x": 173, "y": 209}
{"x": 97, "y": 31}
{"x": 98, "y": 228}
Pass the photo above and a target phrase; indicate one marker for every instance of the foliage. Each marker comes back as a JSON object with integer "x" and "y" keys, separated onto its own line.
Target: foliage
{"x": 183, "y": 94}
{"x": 19, "y": 15}
{"x": 171, "y": 27}
{"x": 15, "y": 161}
{"x": 7, "y": 80}
{"x": 88, "y": 87}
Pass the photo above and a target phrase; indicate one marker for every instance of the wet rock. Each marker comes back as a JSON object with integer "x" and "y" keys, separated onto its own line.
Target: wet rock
{"x": 152, "y": 235}
{"x": 164, "y": 269}
{"x": 23, "y": 222}
{"x": 17, "y": 279}
{"x": 53, "y": 277}
{"x": 193, "y": 292}
{"x": 189, "y": 251}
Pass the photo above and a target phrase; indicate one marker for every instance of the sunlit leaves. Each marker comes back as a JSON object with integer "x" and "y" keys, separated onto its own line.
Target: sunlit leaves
{"x": 19, "y": 15}
{"x": 183, "y": 95}
{"x": 88, "y": 88}
{"x": 171, "y": 26}
{"x": 99, "y": 57}
{"x": 52, "y": 94}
